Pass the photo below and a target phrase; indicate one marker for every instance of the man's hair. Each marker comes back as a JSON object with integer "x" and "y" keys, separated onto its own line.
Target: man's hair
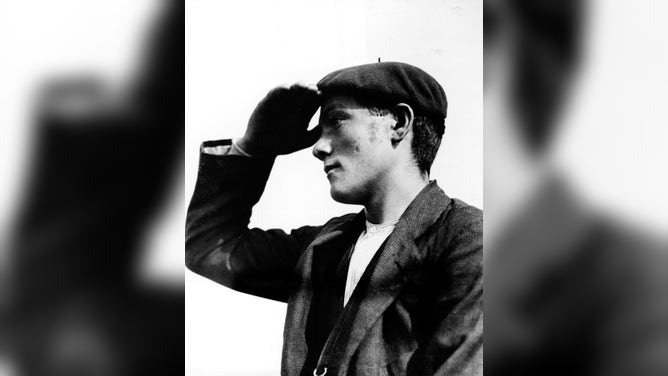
{"x": 427, "y": 135}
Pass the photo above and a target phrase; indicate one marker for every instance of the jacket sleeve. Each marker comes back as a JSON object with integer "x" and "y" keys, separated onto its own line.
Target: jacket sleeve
{"x": 455, "y": 347}
{"x": 219, "y": 244}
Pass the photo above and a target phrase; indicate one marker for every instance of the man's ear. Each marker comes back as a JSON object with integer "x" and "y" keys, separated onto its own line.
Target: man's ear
{"x": 403, "y": 113}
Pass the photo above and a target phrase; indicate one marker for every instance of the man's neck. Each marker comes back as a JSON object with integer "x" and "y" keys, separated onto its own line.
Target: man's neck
{"x": 391, "y": 200}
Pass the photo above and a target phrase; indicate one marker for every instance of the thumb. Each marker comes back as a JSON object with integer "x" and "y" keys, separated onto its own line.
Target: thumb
{"x": 310, "y": 137}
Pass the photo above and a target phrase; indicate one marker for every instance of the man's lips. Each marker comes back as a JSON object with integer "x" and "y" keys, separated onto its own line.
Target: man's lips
{"x": 331, "y": 166}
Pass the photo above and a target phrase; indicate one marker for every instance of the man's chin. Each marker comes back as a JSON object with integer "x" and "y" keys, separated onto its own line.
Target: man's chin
{"x": 344, "y": 196}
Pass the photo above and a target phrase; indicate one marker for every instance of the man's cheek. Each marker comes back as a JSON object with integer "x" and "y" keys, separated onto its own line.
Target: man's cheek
{"x": 377, "y": 133}
{"x": 356, "y": 147}
{"x": 349, "y": 143}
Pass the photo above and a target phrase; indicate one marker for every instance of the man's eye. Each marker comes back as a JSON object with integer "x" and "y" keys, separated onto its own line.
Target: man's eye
{"x": 336, "y": 122}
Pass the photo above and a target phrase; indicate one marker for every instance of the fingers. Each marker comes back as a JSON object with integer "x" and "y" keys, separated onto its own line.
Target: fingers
{"x": 278, "y": 89}
{"x": 303, "y": 87}
{"x": 306, "y": 99}
{"x": 286, "y": 111}
{"x": 298, "y": 94}
{"x": 296, "y": 87}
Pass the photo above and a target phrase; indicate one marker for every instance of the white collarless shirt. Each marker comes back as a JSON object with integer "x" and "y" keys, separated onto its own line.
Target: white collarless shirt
{"x": 367, "y": 245}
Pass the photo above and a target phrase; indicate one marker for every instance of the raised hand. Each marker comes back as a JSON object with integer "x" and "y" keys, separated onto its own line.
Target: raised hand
{"x": 279, "y": 124}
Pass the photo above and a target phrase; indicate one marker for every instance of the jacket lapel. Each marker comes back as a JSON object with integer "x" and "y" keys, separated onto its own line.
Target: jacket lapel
{"x": 387, "y": 277}
{"x": 294, "y": 335}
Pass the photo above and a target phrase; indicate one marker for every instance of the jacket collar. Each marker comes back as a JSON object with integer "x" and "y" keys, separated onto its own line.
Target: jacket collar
{"x": 422, "y": 212}
{"x": 398, "y": 255}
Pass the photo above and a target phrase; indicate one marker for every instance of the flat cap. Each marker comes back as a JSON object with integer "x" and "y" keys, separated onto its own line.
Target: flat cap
{"x": 389, "y": 82}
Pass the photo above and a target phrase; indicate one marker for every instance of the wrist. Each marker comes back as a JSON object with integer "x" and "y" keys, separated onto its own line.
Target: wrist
{"x": 236, "y": 150}
{"x": 249, "y": 148}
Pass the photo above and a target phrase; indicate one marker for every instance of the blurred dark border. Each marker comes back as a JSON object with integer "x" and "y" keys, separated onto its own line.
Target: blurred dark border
{"x": 102, "y": 165}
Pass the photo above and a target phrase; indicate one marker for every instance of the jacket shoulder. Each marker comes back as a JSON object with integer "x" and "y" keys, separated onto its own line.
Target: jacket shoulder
{"x": 461, "y": 213}
{"x": 459, "y": 230}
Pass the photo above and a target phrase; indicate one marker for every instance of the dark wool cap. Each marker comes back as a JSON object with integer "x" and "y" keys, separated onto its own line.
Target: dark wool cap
{"x": 389, "y": 82}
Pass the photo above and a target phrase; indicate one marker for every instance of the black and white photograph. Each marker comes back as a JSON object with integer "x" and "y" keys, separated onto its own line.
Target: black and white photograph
{"x": 334, "y": 162}
{"x": 306, "y": 187}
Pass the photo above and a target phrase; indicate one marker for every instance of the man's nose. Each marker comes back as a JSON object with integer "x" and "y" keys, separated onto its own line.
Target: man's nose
{"x": 322, "y": 148}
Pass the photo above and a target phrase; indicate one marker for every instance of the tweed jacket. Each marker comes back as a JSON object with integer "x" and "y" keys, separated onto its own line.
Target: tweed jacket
{"x": 416, "y": 311}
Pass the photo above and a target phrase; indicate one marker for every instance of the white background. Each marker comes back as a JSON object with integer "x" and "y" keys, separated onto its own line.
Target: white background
{"x": 236, "y": 53}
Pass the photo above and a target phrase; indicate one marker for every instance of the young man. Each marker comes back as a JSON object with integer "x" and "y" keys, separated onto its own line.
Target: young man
{"x": 395, "y": 289}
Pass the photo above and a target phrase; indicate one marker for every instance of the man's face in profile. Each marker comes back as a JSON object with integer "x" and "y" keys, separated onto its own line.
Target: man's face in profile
{"x": 355, "y": 147}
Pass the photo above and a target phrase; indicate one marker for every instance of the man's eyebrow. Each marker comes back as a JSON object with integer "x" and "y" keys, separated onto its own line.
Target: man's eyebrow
{"x": 329, "y": 111}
